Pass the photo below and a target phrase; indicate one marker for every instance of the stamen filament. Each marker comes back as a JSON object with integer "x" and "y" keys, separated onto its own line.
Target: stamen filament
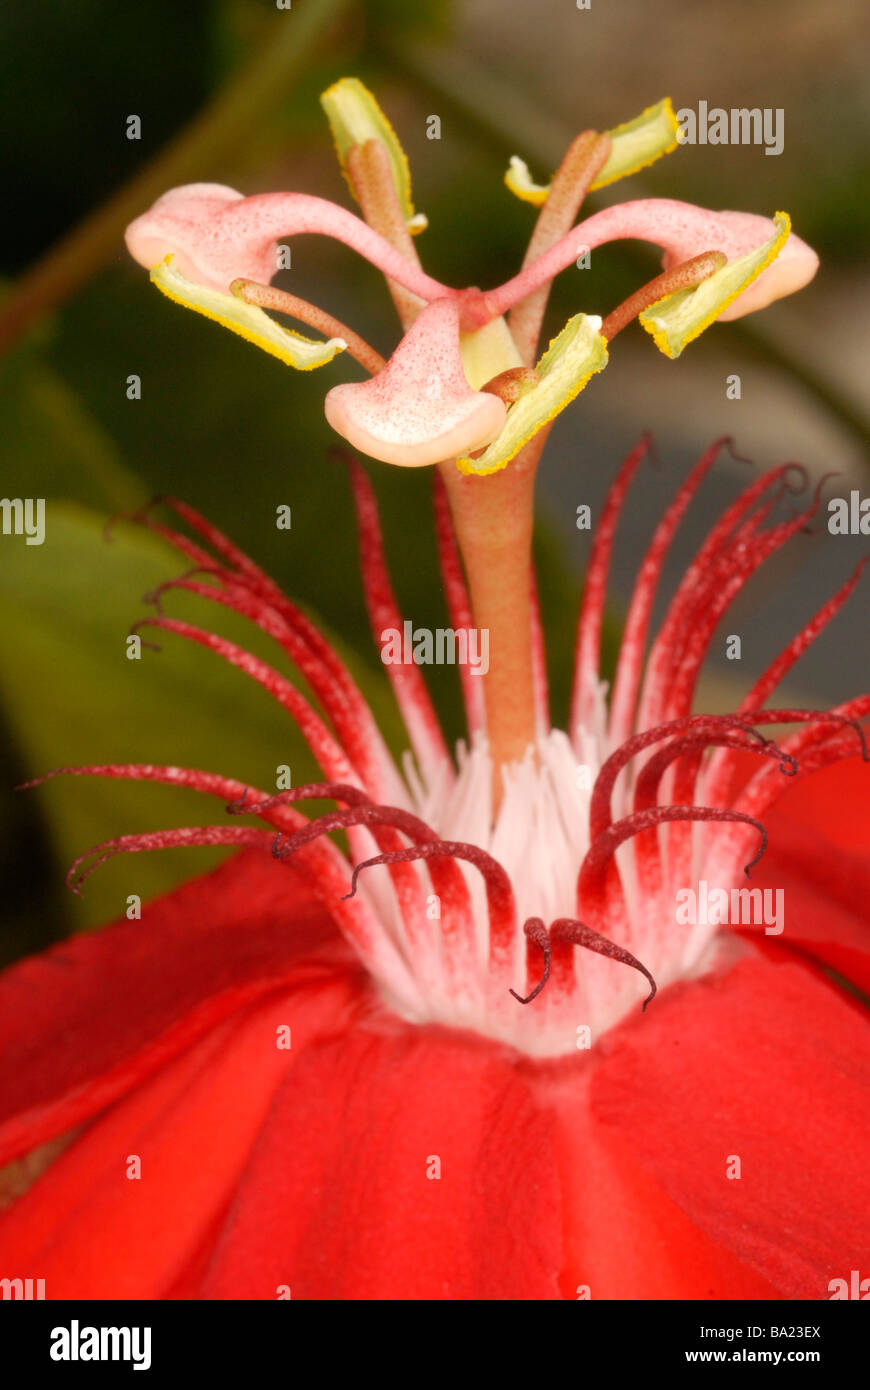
{"x": 509, "y": 385}
{"x": 680, "y": 277}
{"x": 584, "y": 158}
{"x": 371, "y": 174}
{"x": 268, "y": 297}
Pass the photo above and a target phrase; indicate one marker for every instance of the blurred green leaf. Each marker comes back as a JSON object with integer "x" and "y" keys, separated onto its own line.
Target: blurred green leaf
{"x": 53, "y": 444}
{"x": 72, "y": 696}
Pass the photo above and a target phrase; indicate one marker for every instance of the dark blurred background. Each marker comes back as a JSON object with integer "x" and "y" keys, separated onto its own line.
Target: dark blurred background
{"x": 227, "y": 91}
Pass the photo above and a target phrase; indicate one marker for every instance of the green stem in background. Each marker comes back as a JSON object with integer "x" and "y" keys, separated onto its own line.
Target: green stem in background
{"x": 224, "y": 125}
{"x": 503, "y": 115}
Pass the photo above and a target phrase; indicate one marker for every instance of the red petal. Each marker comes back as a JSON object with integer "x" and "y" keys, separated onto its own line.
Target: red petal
{"x": 826, "y": 896}
{"x": 625, "y": 1238}
{"x": 773, "y": 1066}
{"x": 818, "y": 855}
{"x": 87, "y": 1020}
{"x": 834, "y": 802}
{"x": 92, "y": 1231}
{"x": 819, "y": 844}
{"x": 336, "y": 1202}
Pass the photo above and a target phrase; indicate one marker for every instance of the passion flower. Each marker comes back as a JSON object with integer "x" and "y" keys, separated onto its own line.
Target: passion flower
{"x": 481, "y": 1052}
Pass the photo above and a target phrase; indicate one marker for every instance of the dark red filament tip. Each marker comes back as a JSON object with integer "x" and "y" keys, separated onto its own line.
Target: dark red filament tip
{"x": 537, "y": 935}
{"x": 569, "y": 930}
